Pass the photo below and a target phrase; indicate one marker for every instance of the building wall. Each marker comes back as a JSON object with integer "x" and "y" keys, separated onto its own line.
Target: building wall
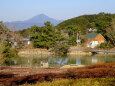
{"x": 95, "y": 41}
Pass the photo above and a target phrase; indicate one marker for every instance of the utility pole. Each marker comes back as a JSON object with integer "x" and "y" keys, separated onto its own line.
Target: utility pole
{"x": 14, "y": 38}
{"x": 77, "y": 39}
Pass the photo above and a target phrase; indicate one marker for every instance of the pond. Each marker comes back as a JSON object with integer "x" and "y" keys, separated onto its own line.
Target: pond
{"x": 57, "y": 61}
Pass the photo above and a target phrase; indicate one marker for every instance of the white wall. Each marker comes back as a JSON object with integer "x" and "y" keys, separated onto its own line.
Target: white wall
{"x": 93, "y": 44}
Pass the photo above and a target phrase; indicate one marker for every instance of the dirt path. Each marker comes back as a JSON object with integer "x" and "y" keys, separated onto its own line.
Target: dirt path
{"x": 24, "y": 71}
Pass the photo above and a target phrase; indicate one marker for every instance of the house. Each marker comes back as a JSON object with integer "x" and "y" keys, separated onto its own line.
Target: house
{"x": 94, "y": 40}
{"x": 27, "y": 41}
{"x": 92, "y": 30}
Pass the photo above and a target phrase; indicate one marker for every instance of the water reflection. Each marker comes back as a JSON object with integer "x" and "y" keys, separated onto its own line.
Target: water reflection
{"x": 78, "y": 61}
{"x": 55, "y": 61}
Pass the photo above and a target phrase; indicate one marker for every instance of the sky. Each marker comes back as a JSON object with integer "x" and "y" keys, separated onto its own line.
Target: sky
{"x": 19, "y": 10}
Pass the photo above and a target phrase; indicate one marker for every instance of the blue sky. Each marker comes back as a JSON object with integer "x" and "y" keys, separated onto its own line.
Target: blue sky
{"x": 16, "y": 10}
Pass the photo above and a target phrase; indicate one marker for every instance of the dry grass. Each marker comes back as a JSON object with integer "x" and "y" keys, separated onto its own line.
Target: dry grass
{"x": 78, "y": 82}
{"x": 94, "y": 71}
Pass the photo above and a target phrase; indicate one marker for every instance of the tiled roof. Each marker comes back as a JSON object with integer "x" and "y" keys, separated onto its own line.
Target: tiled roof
{"x": 92, "y": 35}
{"x": 26, "y": 39}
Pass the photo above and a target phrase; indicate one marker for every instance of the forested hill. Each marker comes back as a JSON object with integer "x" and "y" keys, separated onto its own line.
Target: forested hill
{"x": 96, "y": 21}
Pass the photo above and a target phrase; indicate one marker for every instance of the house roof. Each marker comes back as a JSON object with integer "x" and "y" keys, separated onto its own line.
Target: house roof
{"x": 92, "y": 35}
{"x": 26, "y": 39}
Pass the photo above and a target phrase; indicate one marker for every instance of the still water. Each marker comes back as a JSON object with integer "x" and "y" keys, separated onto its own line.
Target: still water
{"x": 56, "y": 61}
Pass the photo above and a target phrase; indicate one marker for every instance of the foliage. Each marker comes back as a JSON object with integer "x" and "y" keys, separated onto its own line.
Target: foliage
{"x": 71, "y": 30}
{"x": 3, "y": 29}
{"x": 78, "y": 82}
{"x": 61, "y": 48}
{"x": 48, "y": 37}
{"x": 2, "y": 46}
{"x": 24, "y": 33}
{"x": 105, "y": 45}
{"x": 43, "y": 37}
{"x": 9, "y": 54}
{"x": 72, "y": 40}
{"x": 111, "y": 32}
{"x": 102, "y": 22}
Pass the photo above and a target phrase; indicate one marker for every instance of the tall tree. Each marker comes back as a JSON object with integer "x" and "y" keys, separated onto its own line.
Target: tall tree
{"x": 111, "y": 32}
{"x": 43, "y": 37}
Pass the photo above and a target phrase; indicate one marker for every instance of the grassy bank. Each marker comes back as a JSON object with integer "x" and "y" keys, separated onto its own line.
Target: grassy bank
{"x": 78, "y": 82}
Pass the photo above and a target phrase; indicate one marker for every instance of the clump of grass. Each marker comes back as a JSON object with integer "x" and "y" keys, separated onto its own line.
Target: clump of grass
{"x": 93, "y": 71}
{"x": 77, "y": 82}
{"x": 62, "y": 82}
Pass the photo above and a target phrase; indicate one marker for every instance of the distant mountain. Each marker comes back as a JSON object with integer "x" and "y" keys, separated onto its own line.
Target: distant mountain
{"x": 36, "y": 20}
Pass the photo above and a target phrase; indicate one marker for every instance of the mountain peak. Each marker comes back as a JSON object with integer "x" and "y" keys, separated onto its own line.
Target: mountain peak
{"x": 41, "y": 15}
{"x": 38, "y": 20}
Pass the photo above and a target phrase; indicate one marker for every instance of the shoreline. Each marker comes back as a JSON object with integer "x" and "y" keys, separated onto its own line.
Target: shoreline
{"x": 76, "y": 51}
{"x": 70, "y": 53}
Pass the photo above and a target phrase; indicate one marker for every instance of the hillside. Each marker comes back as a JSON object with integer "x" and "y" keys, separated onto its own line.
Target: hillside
{"x": 3, "y": 30}
{"x": 2, "y": 27}
{"x": 36, "y": 20}
{"x": 96, "y": 21}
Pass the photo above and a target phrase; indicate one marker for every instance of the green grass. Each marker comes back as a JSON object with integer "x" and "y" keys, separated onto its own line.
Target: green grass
{"x": 77, "y": 82}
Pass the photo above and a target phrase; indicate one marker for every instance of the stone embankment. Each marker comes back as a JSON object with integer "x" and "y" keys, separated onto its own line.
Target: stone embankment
{"x": 72, "y": 50}
{"x": 34, "y": 52}
{"x": 89, "y": 51}
{"x": 75, "y": 50}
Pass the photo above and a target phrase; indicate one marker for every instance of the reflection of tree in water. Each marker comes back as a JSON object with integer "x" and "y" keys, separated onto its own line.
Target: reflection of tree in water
{"x": 36, "y": 61}
{"x": 87, "y": 60}
{"x": 107, "y": 58}
{"x": 96, "y": 59}
{"x": 58, "y": 61}
{"x": 71, "y": 59}
{"x": 78, "y": 61}
{"x": 84, "y": 60}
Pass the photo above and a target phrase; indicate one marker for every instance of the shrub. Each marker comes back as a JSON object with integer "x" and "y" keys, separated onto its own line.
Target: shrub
{"x": 78, "y": 82}
{"x": 61, "y": 49}
{"x": 105, "y": 45}
{"x": 10, "y": 55}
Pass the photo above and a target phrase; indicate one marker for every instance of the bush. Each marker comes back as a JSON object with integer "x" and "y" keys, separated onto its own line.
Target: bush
{"x": 10, "y": 55}
{"x": 61, "y": 49}
{"x": 105, "y": 45}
